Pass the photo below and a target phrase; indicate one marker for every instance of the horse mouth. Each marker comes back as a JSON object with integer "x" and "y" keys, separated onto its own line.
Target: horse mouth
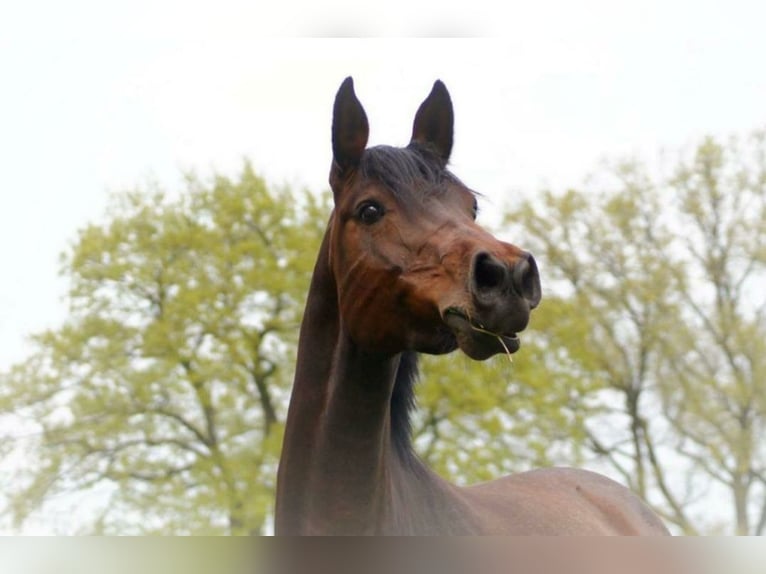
{"x": 474, "y": 339}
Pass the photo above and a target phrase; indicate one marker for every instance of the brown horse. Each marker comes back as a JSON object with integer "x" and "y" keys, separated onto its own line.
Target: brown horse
{"x": 404, "y": 268}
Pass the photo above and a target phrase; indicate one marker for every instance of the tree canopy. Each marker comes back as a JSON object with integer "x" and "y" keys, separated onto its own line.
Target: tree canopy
{"x": 657, "y": 284}
{"x": 165, "y": 389}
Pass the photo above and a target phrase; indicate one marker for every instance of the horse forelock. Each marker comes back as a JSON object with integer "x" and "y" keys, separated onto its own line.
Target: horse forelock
{"x": 406, "y": 170}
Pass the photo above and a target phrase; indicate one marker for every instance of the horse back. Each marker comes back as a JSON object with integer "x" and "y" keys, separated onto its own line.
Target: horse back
{"x": 561, "y": 501}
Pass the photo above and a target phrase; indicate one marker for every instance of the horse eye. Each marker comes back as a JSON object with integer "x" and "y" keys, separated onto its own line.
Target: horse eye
{"x": 369, "y": 212}
{"x": 475, "y": 208}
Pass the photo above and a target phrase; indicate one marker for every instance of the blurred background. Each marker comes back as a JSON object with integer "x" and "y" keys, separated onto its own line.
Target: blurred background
{"x": 164, "y": 189}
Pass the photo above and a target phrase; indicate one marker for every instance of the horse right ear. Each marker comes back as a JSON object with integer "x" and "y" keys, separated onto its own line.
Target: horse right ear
{"x": 434, "y": 122}
{"x": 349, "y": 127}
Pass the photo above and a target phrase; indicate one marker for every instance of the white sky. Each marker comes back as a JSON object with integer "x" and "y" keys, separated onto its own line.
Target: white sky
{"x": 101, "y": 96}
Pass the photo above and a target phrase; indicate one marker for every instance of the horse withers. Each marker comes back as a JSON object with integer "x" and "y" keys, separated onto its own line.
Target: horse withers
{"x": 405, "y": 269}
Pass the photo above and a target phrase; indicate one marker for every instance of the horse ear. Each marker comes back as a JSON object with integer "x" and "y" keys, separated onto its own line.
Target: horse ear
{"x": 434, "y": 122}
{"x": 349, "y": 127}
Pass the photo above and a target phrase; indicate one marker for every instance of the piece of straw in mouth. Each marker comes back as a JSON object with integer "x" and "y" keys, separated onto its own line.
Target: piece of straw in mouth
{"x": 499, "y": 338}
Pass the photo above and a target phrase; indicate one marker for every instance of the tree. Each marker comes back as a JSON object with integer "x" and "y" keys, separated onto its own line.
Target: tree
{"x": 165, "y": 388}
{"x": 655, "y": 282}
{"x": 715, "y": 379}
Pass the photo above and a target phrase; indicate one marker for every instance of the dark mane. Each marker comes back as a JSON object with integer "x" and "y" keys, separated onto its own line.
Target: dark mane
{"x": 401, "y": 169}
{"x": 403, "y": 402}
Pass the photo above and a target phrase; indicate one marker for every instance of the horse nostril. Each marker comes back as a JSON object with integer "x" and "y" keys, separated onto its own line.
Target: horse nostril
{"x": 489, "y": 274}
{"x": 526, "y": 280}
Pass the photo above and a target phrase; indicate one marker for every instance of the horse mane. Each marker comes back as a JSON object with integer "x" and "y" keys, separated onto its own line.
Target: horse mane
{"x": 403, "y": 403}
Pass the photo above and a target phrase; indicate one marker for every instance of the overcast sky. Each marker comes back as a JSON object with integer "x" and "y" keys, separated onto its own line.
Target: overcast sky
{"x": 97, "y": 97}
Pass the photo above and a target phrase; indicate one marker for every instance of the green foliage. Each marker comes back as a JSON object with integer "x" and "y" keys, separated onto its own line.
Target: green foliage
{"x": 166, "y": 387}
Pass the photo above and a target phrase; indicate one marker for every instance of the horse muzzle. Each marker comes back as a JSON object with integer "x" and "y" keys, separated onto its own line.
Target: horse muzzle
{"x": 502, "y": 295}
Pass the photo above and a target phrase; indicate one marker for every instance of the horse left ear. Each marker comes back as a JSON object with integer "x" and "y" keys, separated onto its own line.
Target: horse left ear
{"x": 434, "y": 122}
{"x": 350, "y": 129}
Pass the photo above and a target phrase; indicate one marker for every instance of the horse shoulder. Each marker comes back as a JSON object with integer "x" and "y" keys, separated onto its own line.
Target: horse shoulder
{"x": 562, "y": 501}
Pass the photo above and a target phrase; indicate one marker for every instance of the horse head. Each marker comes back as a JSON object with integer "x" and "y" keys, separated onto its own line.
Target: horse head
{"x": 413, "y": 269}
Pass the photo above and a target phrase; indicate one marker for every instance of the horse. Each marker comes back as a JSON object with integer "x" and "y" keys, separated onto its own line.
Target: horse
{"x": 405, "y": 269}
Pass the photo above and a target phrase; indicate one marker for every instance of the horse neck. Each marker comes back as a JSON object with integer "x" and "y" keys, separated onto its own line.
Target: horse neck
{"x": 337, "y": 449}
{"x": 353, "y": 467}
